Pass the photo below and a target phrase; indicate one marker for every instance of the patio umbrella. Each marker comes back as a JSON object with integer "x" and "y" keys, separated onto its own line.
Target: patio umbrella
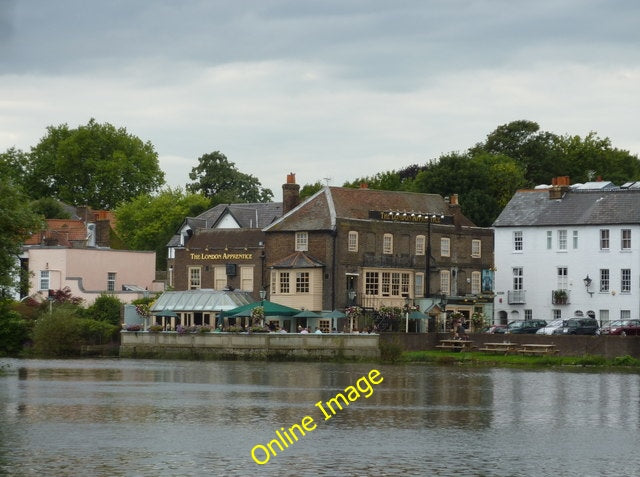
{"x": 334, "y": 315}
{"x": 307, "y": 314}
{"x": 166, "y": 313}
{"x": 270, "y": 309}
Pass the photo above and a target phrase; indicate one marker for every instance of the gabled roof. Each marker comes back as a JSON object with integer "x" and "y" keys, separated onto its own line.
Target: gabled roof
{"x": 61, "y": 232}
{"x": 530, "y": 208}
{"x": 298, "y": 260}
{"x": 323, "y": 209}
{"x": 255, "y": 215}
{"x": 234, "y": 238}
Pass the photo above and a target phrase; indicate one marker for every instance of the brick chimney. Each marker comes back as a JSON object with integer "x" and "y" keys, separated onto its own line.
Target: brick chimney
{"x": 290, "y": 193}
{"x": 559, "y": 186}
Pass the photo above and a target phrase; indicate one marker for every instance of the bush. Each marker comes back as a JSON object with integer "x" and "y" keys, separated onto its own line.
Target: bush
{"x": 58, "y": 334}
{"x": 106, "y": 308}
{"x": 390, "y": 350}
{"x": 14, "y": 331}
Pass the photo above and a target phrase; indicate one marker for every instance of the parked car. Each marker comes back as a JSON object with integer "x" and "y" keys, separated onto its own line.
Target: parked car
{"x": 578, "y": 326}
{"x": 550, "y": 328}
{"x": 622, "y": 327}
{"x": 525, "y": 327}
{"x": 494, "y": 329}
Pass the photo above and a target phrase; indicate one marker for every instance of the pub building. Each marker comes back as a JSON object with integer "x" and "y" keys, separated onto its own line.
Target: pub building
{"x": 346, "y": 247}
{"x": 369, "y": 248}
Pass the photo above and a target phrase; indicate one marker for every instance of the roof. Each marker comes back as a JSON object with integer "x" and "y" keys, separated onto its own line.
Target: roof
{"x": 298, "y": 260}
{"x": 60, "y": 232}
{"x": 201, "y": 300}
{"x": 251, "y": 215}
{"x": 530, "y": 208}
{"x": 322, "y": 210}
{"x": 234, "y": 238}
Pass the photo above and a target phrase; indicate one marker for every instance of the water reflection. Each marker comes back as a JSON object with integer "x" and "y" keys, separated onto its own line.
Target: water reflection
{"x": 128, "y": 417}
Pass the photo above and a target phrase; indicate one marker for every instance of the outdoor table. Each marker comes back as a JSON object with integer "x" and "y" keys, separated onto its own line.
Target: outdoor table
{"x": 458, "y": 345}
{"x": 538, "y": 349}
{"x": 503, "y": 347}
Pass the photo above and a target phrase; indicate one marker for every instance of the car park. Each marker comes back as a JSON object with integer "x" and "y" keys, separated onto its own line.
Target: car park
{"x": 578, "y": 326}
{"x": 622, "y": 328}
{"x": 526, "y": 326}
{"x": 551, "y": 327}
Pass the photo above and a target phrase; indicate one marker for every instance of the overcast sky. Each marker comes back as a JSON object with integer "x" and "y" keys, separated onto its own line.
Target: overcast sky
{"x": 330, "y": 90}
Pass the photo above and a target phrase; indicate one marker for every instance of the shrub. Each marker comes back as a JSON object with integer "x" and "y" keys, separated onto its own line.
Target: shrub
{"x": 58, "y": 334}
{"x": 106, "y": 308}
{"x": 14, "y": 331}
{"x": 390, "y": 350}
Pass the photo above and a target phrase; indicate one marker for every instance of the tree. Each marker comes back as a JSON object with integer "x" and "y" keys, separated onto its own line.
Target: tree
{"x": 17, "y": 223}
{"x": 14, "y": 330}
{"x": 13, "y": 164}
{"x": 106, "y": 308}
{"x": 218, "y": 179}
{"x": 308, "y": 190}
{"x": 49, "y": 208}
{"x": 148, "y": 222}
{"x": 96, "y": 165}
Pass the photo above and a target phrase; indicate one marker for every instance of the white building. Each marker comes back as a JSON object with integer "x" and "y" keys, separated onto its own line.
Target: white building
{"x": 564, "y": 251}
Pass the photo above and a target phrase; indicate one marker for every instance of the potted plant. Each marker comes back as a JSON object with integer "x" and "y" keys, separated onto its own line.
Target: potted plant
{"x": 560, "y": 297}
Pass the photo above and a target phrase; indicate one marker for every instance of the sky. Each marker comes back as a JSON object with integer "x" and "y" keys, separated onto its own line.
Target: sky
{"x": 329, "y": 90}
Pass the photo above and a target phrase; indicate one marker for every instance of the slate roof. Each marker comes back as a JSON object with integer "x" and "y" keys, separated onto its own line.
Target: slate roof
{"x": 253, "y": 215}
{"x": 531, "y": 208}
{"x": 298, "y": 260}
{"x": 235, "y": 238}
{"x": 322, "y": 210}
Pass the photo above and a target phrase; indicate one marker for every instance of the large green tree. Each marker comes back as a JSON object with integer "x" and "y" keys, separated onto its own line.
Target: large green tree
{"x": 97, "y": 165}
{"x": 17, "y": 222}
{"x": 217, "y": 178}
{"x": 149, "y": 221}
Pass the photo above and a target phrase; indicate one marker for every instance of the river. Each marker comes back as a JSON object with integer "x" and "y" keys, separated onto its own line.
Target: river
{"x": 117, "y": 417}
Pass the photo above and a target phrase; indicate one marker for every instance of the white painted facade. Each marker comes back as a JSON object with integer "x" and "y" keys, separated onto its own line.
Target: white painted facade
{"x": 534, "y": 260}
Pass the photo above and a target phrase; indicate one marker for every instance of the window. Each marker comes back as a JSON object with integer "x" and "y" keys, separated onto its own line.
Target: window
{"x": 44, "y": 280}
{"x": 575, "y": 239}
{"x": 111, "y": 281}
{"x": 563, "y": 281}
{"x": 625, "y": 280}
{"x": 302, "y": 242}
{"x": 549, "y": 239}
{"x": 528, "y": 314}
{"x": 476, "y": 248}
{"x": 246, "y": 278}
{"x": 284, "y": 282}
{"x": 518, "y": 278}
{"x": 325, "y": 326}
{"x": 518, "y": 241}
{"x": 557, "y": 314}
{"x": 371, "y": 283}
{"x": 420, "y": 245}
{"x": 625, "y": 239}
{"x": 625, "y": 314}
{"x": 302, "y": 282}
{"x": 604, "y": 239}
{"x": 387, "y": 284}
{"x": 387, "y": 244}
{"x": 194, "y": 278}
{"x": 604, "y": 279}
{"x": 562, "y": 239}
{"x": 445, "y": 247}
{"x": 418, "y": 284}
{"x": 353, "y": 241}
{"x": 220, "y": 277}
{"x": 445, "y": 282}
{"x": 604, "y": 316}
{"x": 475, "y": 283}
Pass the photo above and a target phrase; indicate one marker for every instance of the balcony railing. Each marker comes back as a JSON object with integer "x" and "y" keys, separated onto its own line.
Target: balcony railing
{"x": 516, "y": 297}
{"x": 560, "y": 297}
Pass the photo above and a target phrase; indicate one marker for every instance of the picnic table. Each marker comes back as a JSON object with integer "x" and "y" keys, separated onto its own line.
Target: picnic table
{"x": 538, "y": 349}
{"x": 505, "y": 347}
{"x": 455, "y": 344}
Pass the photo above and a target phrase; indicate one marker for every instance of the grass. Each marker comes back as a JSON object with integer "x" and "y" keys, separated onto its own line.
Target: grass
{"x": 483, "y": 359}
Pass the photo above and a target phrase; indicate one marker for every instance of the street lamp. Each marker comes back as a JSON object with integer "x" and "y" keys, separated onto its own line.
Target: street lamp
{"x": 443, "y": 309}
{"x": 263, "y": 294}
{"x": 352, "y": 297}
{"x": 406, "y": 312}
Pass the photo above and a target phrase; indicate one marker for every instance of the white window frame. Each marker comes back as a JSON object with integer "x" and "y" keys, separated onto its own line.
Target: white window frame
{"x": 605, "y": 280}
{"x": 476, "y": 248}
{"x": 445, "y": 247}
{"x": 246, "y": 278}
{"x": 445, "y": 282}
{"x": 418, "y": 284}
{"x": 111, "y": 281}
{"x": 387, "y": 244}
{"x": 476, "y": 283}
{"x": 302, "y": 242}
{"x": 303, "y": 282}
{"x": 562, "y": 239}
{"x": 625, "y": 239}
{"x": 45, "y": 280}
{"x": 549, "y": 239}
{"x": 195, "y": 278}
{"x": 219, "y": 277}
{"x": 518, "y": 241}
{"x": 575, "y": 239}
{"x": 605, "y": 237}
{"x": 420, "y": 244}
{"x": 352, "y": 241}
{"x": 284, "y": 283}
{"x": 625, "y": 280}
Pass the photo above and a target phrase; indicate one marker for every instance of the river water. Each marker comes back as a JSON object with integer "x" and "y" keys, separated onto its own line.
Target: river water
{"x": 187, "y": 418}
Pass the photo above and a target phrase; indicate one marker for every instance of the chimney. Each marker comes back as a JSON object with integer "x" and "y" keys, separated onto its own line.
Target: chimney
{"x": 290, "y": 193}
{"x": 364, "y": 185}
{"x": 559, "y": 186}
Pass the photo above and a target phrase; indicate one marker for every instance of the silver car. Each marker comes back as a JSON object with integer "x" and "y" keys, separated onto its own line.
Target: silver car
{"x": 551, "y": 327}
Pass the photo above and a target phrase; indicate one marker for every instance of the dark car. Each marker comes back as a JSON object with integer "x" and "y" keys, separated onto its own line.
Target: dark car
{"x": 526, "y": 326}
{"x": 622, "y": 327}
{"x": 578, "y": 326}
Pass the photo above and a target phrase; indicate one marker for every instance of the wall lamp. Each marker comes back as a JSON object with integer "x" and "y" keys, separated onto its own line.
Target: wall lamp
{"x": 587, "y": 283}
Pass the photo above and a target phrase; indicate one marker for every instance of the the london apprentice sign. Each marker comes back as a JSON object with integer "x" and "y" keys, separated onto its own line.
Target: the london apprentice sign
{"x": 222, "y": 256}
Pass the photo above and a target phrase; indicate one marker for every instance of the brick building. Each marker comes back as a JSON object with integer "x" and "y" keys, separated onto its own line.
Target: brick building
{"x": 369, "y": 248}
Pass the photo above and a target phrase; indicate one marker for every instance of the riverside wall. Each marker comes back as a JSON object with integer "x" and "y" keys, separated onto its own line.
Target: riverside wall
{"x": 138, "y": 344}
{"x": 606, "y": 346}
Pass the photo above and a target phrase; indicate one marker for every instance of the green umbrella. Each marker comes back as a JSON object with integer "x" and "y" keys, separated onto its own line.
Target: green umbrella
{"x": 270, "y": 309}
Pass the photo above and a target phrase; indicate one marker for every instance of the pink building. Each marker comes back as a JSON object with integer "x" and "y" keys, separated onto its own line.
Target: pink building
{"x": 90, "y": 272}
